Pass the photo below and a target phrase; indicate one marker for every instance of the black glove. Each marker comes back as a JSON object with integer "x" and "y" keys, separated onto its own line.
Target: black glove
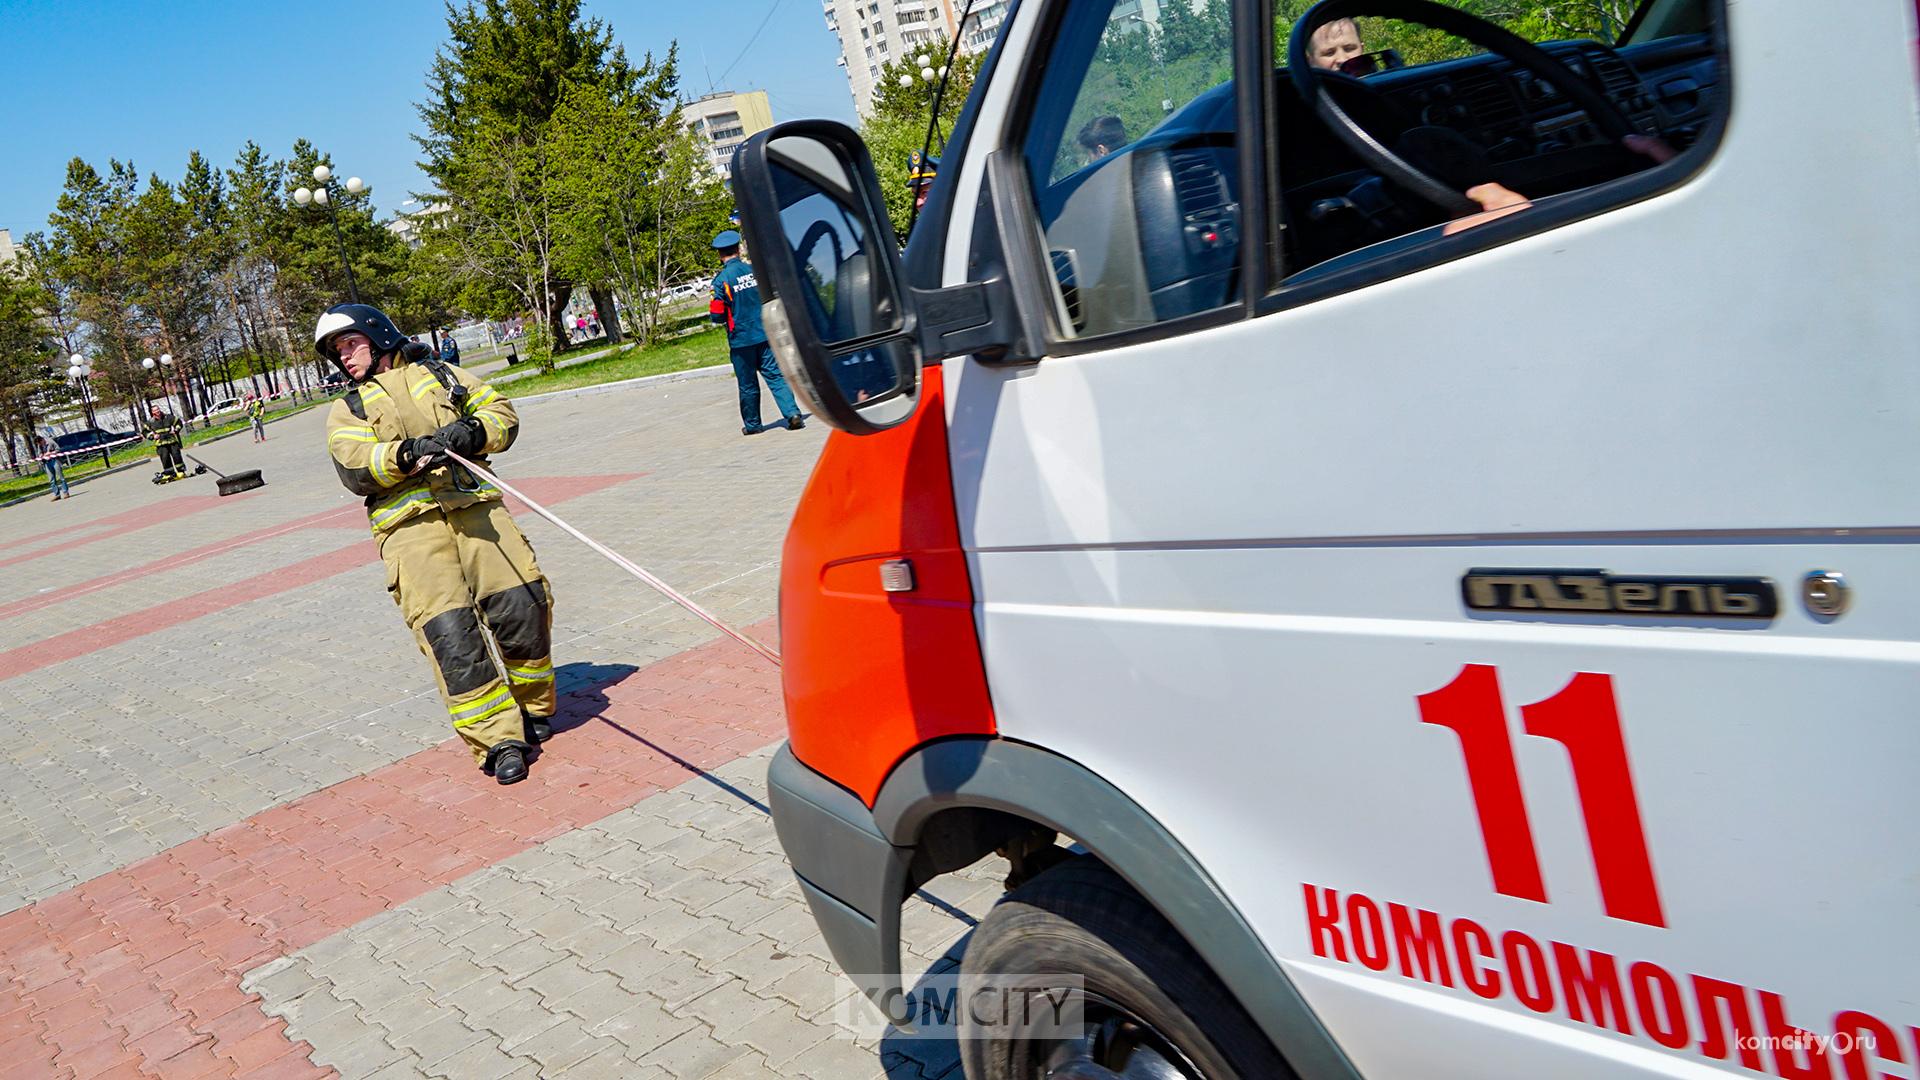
{"x": 464, "y": 436}
{"x": 413, "y": 451}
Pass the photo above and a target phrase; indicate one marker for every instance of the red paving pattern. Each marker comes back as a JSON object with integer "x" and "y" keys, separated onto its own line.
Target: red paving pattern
{"x": 342, "y": 516}
{"x": 137, "y": 972}
{"x": 152, "y": 620}
{"x": 117, "y": 525}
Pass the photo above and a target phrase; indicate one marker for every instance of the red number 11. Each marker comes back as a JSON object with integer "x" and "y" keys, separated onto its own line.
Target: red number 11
{"x": 1583, "y": 718}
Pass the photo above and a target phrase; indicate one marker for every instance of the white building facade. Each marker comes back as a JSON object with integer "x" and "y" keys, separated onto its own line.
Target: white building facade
{"x": 874, "y": 33}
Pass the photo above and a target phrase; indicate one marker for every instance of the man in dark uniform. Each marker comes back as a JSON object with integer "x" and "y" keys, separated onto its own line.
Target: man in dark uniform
{"x": 736, "y": 303}
{"x": 164, "y": 429}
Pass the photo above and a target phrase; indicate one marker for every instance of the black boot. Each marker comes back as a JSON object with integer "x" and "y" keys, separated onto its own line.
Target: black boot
{"x": 507, "y": 762}
{"x": 539, "y": 728}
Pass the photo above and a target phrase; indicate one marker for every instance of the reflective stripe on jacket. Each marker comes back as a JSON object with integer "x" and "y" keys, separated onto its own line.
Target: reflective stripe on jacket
{"x": 403, "y": 403}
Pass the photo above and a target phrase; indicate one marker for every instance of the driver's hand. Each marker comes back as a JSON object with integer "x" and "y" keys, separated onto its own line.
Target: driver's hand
{"x": 1492, "y": 197}
{"x": 1650, "y": 146}
{"x": 1496, "y": 201}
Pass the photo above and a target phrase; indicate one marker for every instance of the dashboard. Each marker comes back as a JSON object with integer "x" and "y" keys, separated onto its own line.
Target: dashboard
{"x": 1514, "y": 114}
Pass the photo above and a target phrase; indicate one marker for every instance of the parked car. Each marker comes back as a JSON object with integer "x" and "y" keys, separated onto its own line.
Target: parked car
{"x": 88, "y": 438}
{"x": 220, "y": 408}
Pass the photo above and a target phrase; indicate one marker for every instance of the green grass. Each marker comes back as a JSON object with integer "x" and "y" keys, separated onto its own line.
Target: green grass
{"x": 680, "y": 354}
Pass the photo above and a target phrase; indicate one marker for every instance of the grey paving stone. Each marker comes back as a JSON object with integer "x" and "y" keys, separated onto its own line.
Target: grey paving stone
{"x": 611, "y": 1064}
{"x": 483, "y": 1060}
{"x": 837, "y": 1059}
{"x": 612, "y": 976}
{"x": 729, "y": 1007}
{"x": 562, "y": 1045}
{"x": 439, "y": 1038}
{"x": 362, "y": 1055}
{"x": 407, "y": 1068}
{"x": 644, "y": 1025}
{"x": 636, "y": 963}
{"x": 709, "y": 516}
{"x": 695, "y": 1055}
{"x": 782, "y": 1035}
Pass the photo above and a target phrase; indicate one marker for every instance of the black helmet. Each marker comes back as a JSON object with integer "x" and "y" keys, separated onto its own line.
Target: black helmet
{"x": 365, "y": 318}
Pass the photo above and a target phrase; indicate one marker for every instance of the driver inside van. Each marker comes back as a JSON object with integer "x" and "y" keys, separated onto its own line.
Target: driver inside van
{"x": 1339, "y": 41}
{"x": 1334, "y": 44}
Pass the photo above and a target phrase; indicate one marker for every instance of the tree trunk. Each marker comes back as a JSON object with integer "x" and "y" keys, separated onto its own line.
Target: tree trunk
{"x": 557, "y": 296}
{"x": 609, "y": 321}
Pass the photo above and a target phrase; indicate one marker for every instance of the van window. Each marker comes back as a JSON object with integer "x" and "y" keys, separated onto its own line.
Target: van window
{"x": 1500, "y": 139}
{"x": 1131, "y": 152}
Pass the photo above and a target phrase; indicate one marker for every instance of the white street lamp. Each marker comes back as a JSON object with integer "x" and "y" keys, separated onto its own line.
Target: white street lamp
{"x": 321, "y": 195}
{"x": 80, "y": 369}
{"x": 906, "y": 81}
{"x": 927, "y": 74}
{"x": 923, "y": 60}
{"x": 147, "y": 363}
{"x": 167, "y": 359}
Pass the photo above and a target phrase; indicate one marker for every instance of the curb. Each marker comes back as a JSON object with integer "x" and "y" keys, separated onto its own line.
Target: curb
{"x": 628, "y": 384}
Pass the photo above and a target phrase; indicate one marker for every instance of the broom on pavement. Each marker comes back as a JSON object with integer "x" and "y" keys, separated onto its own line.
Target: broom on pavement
{"x": 230, "y": 485}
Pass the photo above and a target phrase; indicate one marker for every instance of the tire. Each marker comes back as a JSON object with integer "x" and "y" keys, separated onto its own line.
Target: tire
{"x": 1141, "y": 980}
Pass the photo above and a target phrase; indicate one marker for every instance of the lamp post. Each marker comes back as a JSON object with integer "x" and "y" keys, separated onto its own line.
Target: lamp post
{"x": 323, "y": 176}
{"x": 165, "y": 366}
{"x": 80, "y": 370}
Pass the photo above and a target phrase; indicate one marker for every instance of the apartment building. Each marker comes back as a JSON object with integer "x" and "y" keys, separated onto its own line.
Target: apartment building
{"x": 873, "y": 33}
{"x": 724, "y": 120}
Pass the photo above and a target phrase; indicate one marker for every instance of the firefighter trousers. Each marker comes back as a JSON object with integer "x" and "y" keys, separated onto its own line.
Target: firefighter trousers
{"x": 460, "y": 576}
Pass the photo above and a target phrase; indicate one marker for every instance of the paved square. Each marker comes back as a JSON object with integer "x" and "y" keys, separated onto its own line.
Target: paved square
{"x": 236, "y": 840}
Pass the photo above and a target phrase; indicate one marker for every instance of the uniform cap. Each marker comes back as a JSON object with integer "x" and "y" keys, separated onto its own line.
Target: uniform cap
{"x": 730, "y": 238}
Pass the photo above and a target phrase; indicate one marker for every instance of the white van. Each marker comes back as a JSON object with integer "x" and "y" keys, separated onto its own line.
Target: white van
{"x": 1431, "y": 534}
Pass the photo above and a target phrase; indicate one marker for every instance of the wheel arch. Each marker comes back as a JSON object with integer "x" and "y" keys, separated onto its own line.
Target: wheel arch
{"x": 947, "y": 799}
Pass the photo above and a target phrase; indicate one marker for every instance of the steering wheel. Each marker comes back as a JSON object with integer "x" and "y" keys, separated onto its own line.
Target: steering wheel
{"x": 1496, "y": 40}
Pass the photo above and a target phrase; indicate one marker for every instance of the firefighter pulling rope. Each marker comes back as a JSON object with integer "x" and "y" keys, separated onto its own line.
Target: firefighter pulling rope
{"x": 620, "y": 560}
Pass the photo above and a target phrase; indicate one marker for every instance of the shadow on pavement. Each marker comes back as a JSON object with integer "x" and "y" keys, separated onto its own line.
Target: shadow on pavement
{"x": 933, "y": 1050}
{"x": 582, "y": 688}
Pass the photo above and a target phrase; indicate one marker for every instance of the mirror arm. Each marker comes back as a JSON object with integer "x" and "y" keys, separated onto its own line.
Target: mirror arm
{"x": 983, "y": 317}
{"x": 959, "y": 320}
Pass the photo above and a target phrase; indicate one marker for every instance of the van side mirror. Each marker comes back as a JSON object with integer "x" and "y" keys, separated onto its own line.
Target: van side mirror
{"x": 849, "y": 332}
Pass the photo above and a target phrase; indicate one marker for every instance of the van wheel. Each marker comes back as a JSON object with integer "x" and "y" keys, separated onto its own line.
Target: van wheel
{"x": 1150, "y": 1009}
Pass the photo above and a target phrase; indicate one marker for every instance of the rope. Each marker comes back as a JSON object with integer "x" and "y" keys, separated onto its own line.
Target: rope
{"x": 622, "y": 562}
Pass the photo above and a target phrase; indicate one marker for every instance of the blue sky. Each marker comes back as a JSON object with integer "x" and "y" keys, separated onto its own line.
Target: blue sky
{"x": 151, "y": 81}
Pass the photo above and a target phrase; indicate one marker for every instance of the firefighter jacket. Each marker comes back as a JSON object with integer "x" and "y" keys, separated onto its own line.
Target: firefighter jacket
{"x": 366, "y": 427}
{"x": 164, "y": 431}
